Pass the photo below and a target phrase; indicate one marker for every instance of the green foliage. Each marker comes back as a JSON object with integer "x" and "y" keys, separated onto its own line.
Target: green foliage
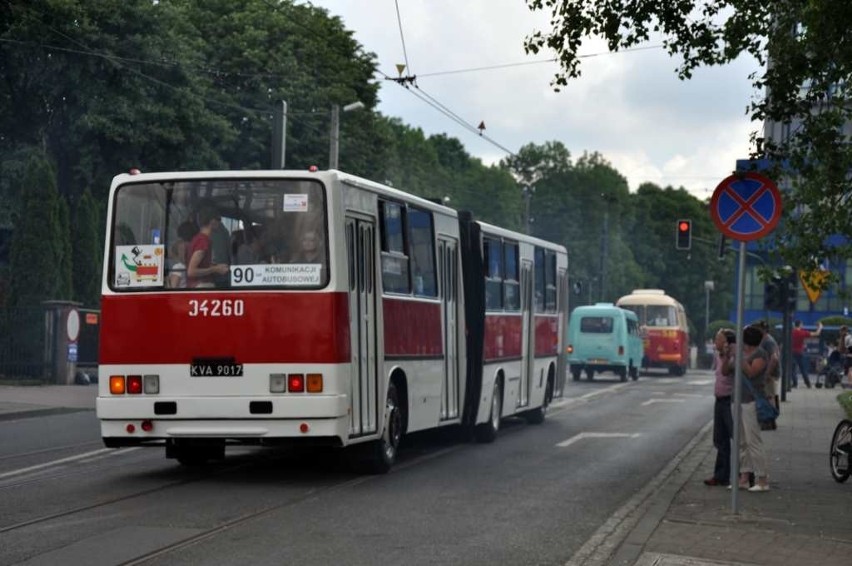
{"x": 808, "y": 80}
{"x": 63, "y": 272}
{"x": 87, "y": 251}
{"x": 37, "y": 241}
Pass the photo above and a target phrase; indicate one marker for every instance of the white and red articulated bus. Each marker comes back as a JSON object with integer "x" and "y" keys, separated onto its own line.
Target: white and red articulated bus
{"x": 317, "y": 308}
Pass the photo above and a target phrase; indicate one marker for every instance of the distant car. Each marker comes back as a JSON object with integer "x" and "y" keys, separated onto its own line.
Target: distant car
{"x": 604, "y": 337}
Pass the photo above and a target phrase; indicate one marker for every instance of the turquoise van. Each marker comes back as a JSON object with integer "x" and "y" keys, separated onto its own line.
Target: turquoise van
{"x": 604, "y": 337}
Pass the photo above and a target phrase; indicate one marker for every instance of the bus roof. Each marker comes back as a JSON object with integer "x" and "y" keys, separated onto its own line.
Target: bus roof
{"x": 648, "y": 297}
{"x": 503, "y": 232}
{"x": 324, "y": 176}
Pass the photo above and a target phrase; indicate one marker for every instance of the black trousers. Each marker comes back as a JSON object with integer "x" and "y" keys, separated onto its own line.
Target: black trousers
{"x": 723, "y": 433}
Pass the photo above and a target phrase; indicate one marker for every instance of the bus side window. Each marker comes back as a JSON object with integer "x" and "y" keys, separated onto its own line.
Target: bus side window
{"x": 395, "y": 263}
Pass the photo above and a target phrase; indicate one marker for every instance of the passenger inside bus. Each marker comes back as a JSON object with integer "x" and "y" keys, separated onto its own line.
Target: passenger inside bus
{"x": 201, "y": 270}
{"x": 176, "y": 265}
{"x": 310, "y": 249}
{"x": 248, "y": 246}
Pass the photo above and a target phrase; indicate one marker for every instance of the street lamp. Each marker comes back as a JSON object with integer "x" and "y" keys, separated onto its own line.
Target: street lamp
{"x": 334, "y": 147}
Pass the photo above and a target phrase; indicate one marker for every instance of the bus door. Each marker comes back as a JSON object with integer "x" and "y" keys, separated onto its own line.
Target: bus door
{"x": 449, "y": 276}
{"x": 527, "y": 332}
{"x": 361, "y": 256}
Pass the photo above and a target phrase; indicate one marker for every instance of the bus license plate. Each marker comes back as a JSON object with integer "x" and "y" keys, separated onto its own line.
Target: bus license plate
{"x": 215, "y": 368}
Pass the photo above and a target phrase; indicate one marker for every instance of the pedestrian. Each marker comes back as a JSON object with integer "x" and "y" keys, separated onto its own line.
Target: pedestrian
{"x": 723, "y": 422}
{"x": 844, "y": 346}
{"x": 773, "y": 373}
{"x": 752, "y": 451}
{"x": 797, "y": 348}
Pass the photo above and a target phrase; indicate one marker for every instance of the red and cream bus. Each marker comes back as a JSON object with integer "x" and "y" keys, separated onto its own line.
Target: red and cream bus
{"x": 664, "y": 329}
{"x": 325, "y": 310}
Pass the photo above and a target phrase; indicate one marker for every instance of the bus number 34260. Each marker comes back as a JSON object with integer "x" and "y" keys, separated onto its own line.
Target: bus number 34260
{"x": 216, "y": 307}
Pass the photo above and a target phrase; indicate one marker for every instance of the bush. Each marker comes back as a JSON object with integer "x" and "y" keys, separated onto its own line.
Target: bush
{"x": 845, "y": 400}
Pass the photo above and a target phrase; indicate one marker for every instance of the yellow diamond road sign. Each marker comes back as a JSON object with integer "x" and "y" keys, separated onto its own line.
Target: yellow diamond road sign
{"x": 812, "y": 281}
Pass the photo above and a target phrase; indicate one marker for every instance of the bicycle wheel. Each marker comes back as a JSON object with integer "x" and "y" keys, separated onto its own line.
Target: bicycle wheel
{"x": 841, "y": 448}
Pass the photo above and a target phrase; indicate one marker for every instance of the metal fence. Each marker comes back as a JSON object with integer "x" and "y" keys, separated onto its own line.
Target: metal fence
{"x": 30, "y": 348}
{"x": 22, "y": 343}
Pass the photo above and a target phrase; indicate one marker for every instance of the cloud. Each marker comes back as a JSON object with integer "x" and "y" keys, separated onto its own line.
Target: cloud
{"x": 629, "y": 106}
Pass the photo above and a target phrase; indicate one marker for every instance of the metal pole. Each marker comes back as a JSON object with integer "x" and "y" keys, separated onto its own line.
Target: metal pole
{"x": 738, "y": 380}
{"x": 279, "y": 135}
{"x": 787, "y": 355}
{"x": 604, "y": 245}
{"x": 334, "y": 144}
{"x": 527, "y": 205}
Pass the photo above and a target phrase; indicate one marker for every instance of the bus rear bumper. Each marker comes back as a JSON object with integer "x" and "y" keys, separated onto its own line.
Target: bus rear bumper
{"x": 266, "y": 420}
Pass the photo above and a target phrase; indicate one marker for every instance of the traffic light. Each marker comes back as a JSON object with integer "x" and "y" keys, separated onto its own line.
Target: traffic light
{"x": 773, "y": 294}
{"x": 684, "y": 235}
{"x": 791, "y": 292}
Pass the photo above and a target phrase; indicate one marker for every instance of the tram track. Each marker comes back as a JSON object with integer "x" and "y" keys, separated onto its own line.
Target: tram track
{"x": 121, "y": 498}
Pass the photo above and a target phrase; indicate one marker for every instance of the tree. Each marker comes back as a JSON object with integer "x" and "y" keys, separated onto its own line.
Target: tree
{"x": 86, "y": 238}
{"x": 807, "y": 61}
{"x": 36, "y": 242}
{"x": 64, "y": 287}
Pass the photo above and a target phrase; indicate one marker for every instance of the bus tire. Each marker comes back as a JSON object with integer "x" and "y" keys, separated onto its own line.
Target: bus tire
{"x": 379, "y": 456}
{"x": 590, "y": 374}
{"x": 575, "y": 373}
{"x": 487, "y": 431}
{"x": 537, "y": 415}
{"x": 622, "y": 373}
{"x": 634, "y": 372}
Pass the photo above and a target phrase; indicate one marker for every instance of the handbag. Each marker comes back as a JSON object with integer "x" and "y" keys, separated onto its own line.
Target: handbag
{"x": 765, "y": 410}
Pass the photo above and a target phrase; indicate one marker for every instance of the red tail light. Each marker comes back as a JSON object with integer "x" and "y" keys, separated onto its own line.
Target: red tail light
{"x": 296, "y": 382}
{"x": 134, "y": 384}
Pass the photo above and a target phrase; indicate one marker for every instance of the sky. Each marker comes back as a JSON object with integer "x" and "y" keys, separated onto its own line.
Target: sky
{"x": 630, "y": 107}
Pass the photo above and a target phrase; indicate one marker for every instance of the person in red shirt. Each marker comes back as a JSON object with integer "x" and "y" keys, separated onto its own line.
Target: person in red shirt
{"x": 798, "y": 349}
{"x": 200, "y": 269}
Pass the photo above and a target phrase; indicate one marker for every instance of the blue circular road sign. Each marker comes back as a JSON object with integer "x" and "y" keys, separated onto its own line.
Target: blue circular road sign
{"x": 746, "y": 206}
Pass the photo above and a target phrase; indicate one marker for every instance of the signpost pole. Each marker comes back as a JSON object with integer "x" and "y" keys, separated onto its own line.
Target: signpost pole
{"x": 738, "y": 379}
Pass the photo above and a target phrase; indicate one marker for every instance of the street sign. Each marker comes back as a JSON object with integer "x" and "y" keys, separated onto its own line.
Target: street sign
{"x": 812, "y": 282}
{"x": 746, "y": 206}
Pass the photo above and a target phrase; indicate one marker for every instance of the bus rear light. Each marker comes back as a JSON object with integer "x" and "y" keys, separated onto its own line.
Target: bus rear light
{"x": 134, "y": 384}
{"x": 151, "y": 384}
{"x": 304, "y": 428}
{"x": 116, "y": 384}
{"x": 277, "y": 383}
{"x": 130, "y": 428}
{"x": 147, "y": 426}
{"x": 569, "y": 349}
{"x": 296, "y": 382}
{"x": 314, "y": 381}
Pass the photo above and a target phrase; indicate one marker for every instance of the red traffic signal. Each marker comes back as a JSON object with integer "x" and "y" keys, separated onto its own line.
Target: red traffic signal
{"x": 683, "y": 239}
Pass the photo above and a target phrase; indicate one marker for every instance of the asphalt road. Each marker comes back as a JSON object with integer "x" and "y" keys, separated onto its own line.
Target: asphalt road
{"x": 533, "y": 497}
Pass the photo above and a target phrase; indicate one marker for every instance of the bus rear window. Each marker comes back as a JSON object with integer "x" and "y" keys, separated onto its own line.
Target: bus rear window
{"x": 596, "y": 324}
{"x": 219, "y": 234}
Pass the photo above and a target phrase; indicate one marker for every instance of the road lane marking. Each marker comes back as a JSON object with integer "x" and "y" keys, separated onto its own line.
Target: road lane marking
{"x": 565, "y": 402}
{"x": 582, "y": 435}
{"x": 650, "y": 401}
{"x": 55, "y": 463}
{"x": 691, "y": 395}
{"x": 700, "y": 382}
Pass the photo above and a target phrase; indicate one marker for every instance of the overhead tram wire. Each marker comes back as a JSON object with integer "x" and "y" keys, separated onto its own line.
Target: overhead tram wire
{"x": 402, "y": 36}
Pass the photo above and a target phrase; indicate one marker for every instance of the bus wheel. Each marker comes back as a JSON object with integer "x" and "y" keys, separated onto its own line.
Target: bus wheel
{"x": 634, "y": 372}
{"x": 536, "y": 416}
{"x": 575, "y": 373}
{"x": 487, "y": 431}
{"x": 380, "y": 455}
{"x": 622, "y": 373}
{"x": 590, "y": 374}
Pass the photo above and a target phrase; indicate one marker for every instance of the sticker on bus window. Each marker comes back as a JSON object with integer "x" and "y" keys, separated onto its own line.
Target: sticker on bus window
{"x": 139, "y": 266}
{"x": 296, "y": 203}
{"x": 282, "y": 275}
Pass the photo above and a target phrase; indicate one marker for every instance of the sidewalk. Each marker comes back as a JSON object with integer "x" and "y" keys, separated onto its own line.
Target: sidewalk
{"x": 22, "y": 402}
{"x": 806, "y": 518}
